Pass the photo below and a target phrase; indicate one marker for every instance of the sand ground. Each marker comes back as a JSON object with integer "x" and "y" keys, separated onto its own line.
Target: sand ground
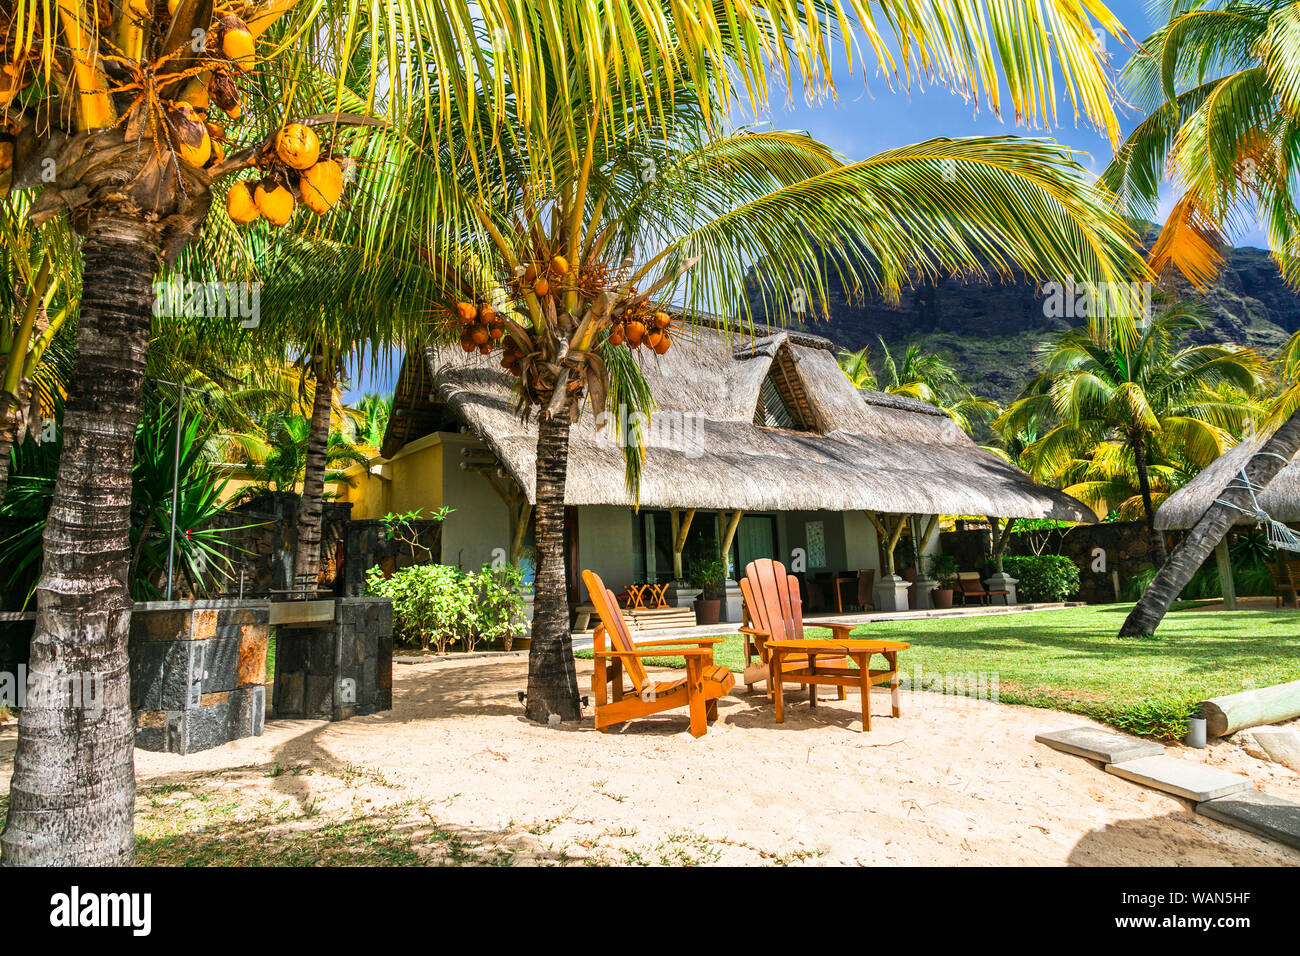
{"x": 953, "y": 782}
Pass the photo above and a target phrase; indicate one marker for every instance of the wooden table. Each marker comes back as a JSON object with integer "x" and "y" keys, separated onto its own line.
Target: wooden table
{"x": 860, "y": 651}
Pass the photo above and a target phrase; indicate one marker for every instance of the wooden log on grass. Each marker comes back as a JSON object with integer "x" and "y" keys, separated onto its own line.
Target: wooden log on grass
{"x": 1250, "y": 708}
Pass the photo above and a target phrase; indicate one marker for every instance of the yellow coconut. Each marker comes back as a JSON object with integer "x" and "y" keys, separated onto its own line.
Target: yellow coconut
{"x": 298, "y": 146}
{"x": 240, "y": 205}
{"x": 275, "y": 204}
{"x": 321, "y": 186}
{"x": 560, "y": 265}
{"x": 237, "y": 43}
{"x": 196, "y": 155}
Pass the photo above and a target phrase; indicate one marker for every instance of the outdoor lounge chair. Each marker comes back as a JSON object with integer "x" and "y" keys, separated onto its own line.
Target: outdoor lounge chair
{"x": 773, "y": 611}
{"x": 698, "y": 691}
{"x": 970, "y": 586}
{"x": 1286, "y": 575}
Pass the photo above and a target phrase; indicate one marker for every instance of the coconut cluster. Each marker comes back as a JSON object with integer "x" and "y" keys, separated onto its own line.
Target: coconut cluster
{"x": 296, "y": 169}
{"x": 480, "y": 327}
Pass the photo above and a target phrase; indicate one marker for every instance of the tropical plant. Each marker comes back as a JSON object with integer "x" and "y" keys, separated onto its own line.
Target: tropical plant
{"x": 401, "y": 527}
{"x": 373, "y": 412}
{"x": 283, "y": 468}
{"x": 1118, "y": 409}
{"x": 564, "y": 269}
{"x": 1043, "y": 577}
{"x": 500, "y": 607}
{"x": 925, "y": 376}
{"x": 131, "y": 176}
{"x": 200, "y": 561}
{"x": 944, "y": 569}
{"x": 1221, "y": 86}
{"x": 38, "y": 295}
{"x": 433, "y": 604}
{"x": 709, "y": 576}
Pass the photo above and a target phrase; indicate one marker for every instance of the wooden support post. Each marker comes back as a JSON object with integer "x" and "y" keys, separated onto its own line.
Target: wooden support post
{"x": 1000, "y": 539}
{"x": 521, "y": 531}
{"x": 1224, "y": 559}
{"x": 893, "y": 543}
{"x": 730, "y": 535}
{"x": 681, "y": 527}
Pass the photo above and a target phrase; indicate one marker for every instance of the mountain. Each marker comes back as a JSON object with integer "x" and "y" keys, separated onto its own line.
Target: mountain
{"x": 990, "y": 330}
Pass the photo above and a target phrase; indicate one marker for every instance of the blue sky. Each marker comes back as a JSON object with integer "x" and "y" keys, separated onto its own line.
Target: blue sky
{"x": 870, "y": 118}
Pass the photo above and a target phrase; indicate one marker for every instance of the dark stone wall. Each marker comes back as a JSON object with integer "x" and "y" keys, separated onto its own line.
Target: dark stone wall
{"x": 262, "y": 537}
{"x": 367, "y": 545}
{"x": 198, "y": 670}
{"x": 336, "y": 670}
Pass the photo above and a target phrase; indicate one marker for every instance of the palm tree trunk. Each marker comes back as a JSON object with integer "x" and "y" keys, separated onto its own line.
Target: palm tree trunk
{"x": 1155, "y": 539}
{"x": 1218, "y": 519}
{"x": 306, "y": 560}
{"x": 552, "y": 679}
{"x": 8, "y": 431}
{"x": 72, "y": 797}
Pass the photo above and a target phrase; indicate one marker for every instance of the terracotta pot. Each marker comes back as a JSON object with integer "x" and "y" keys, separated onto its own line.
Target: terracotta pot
{"x": 942, "y": 598}
{"x": 707, "y": 612}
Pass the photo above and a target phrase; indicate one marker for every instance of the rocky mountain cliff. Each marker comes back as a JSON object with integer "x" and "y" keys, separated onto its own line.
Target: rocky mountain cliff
{"x": 990, "y": 330}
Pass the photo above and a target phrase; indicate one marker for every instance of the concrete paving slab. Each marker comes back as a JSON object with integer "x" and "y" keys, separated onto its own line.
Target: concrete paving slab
{"x": 1097, "y": 744}
{"x": 1282, "y": 744}
{"x": 1260, "y": 813}
{"x": 1182, "y": 778}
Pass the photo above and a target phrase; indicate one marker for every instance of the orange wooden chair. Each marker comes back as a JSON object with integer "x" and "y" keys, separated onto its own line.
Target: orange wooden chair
{"x": 698, "y": 691}
{"x": 773, "y": 610}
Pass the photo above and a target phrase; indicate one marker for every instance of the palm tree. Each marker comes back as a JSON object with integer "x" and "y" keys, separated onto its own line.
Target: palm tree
{"x": 101, "y": 134}
{"x": 284, "y": 468}
{"x": 1222, "y": 91}
{"x": 373, "y": 412}
{"x": 925, "y": 376}
{"x": 1115, "y": 406}
{"x": 562, "y": 269}
{"x": 38, "y": 296}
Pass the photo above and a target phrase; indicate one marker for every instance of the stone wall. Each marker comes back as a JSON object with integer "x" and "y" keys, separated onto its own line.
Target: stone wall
{"x": 367, "y": 546}
{"x": 1109, "y": 546}
{"x": 337, "y": 669}
{"x": 260, "y": 543}
{"x": 198, "y": 670}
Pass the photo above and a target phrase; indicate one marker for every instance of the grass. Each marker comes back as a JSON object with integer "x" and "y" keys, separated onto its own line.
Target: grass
{"x": 1071, "y": 659}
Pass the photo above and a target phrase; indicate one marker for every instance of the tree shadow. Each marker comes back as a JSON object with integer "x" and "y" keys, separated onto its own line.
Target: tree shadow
{"x": 1177, "y": 839}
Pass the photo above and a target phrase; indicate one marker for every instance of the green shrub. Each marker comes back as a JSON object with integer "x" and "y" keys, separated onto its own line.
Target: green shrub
{"x": 1046, "y": 577}
{"x": 1163, "y": 717}
{"x": 437, "y": 604}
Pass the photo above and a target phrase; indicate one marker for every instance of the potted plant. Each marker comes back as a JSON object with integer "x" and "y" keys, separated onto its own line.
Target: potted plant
{"x": 709, "y": 577}
{"x": 943, "y": 568}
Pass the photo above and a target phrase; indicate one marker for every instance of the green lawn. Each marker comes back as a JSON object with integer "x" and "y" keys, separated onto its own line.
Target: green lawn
{"x": 1071, "y": 659}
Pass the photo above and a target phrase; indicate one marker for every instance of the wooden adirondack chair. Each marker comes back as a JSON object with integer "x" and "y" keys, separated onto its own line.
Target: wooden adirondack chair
{"x": 774, "y": 611}
{"x": 698, "y": 691}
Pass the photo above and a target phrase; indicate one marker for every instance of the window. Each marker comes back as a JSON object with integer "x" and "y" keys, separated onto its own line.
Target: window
{"x": 783, "y": 400}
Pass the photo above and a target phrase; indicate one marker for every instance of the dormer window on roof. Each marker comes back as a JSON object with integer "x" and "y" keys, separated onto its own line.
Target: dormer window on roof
{"x": 783, "y": 399}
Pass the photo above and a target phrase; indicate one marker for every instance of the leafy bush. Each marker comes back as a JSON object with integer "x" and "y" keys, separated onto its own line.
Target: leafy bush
{"x": 1251, "y": 558}
{"x": 437, "y": 604}
{"x": 1163, "y": 717}
{"x": 944, "y": 569}
{"x": 1046, "y": 577}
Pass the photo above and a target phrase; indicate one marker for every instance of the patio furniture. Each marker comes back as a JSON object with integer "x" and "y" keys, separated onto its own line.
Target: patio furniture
{"x": 866, "y": 581}
{"x": 698, "y": 691}
{"x": 772, "y": 609}
{"x": 970, "y": 586}
{"x": 839, "y": 582}
{"x": 1286, "y": 575}
{"x": 797, "y": 661}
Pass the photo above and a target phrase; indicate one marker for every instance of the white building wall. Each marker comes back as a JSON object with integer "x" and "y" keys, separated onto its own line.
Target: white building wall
{"x": 605, "y": 543}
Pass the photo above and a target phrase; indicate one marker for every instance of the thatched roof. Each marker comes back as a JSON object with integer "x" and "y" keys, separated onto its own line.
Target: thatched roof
{"x": 870, "y": 451}
{"x": 1281, "y": 498}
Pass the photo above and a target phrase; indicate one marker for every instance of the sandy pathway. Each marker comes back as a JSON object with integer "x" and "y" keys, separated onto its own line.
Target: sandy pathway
{"x": 952, "y": 782}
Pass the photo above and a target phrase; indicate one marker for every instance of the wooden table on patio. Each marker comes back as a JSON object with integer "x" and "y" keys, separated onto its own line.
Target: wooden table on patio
{"x": 860, "y": 651}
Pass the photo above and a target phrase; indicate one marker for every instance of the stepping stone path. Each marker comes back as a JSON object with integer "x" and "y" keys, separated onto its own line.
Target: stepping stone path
{"x": 1097, "y": 744}
{"x": 1260, "y": 813}
{"x": 1226, "y": 797}
{"x": 1182, "y": 778}
{"x": 1282, "y": 744}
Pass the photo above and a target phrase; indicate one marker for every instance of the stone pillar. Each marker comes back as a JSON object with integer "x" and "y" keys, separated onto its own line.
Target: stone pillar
{"x": 681, "y": 594}
{"x": 1001, "y": 581}
{"x": 924, "y": 599}
{"x": 891, "y": 593}
{"x": 731, "y": 602}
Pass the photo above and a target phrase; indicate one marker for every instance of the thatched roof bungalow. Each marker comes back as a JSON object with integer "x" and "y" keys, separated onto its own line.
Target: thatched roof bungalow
{"x": 1281, "y": 497}
{"x": 759, "y": 446}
